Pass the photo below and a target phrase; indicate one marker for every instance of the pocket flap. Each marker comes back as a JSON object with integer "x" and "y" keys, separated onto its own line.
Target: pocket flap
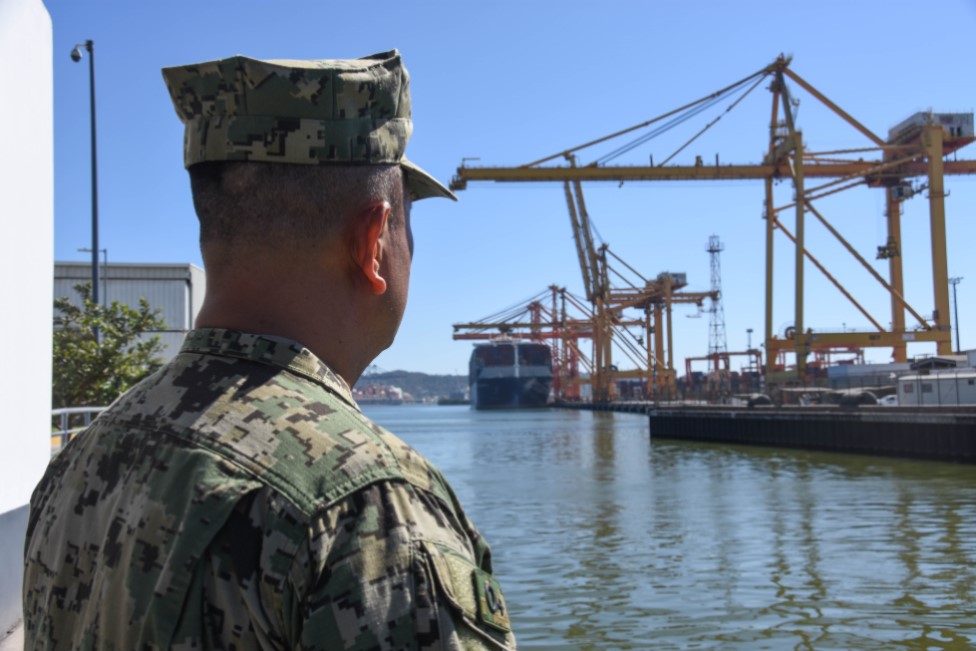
{"x": 471, "y": 589}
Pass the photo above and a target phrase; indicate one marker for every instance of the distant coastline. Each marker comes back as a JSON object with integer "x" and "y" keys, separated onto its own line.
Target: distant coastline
{"x": 375, "y": 387}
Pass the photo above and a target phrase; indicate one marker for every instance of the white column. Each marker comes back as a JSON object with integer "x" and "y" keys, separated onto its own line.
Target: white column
{"x": 26, "y": 265}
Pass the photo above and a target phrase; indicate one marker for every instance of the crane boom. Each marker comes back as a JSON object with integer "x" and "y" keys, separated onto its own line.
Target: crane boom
{"x": 700, "y": 172}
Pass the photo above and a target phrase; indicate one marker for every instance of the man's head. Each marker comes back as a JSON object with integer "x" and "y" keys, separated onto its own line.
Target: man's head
{"x": 303, "y": 192}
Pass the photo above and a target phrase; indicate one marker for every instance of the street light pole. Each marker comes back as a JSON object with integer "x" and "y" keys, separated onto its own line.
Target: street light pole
{"x": 955, "y": 281}
{"x": 103, "y": 273}
{"x": 76, "y": 57}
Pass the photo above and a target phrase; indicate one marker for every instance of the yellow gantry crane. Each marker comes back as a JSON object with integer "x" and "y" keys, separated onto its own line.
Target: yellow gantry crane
{"x": 915, "y": 148}
{"x": 609, "y": 301}
{"x": 656, "y": 298}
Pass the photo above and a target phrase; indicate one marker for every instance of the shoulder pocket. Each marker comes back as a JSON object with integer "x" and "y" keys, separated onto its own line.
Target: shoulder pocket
{"x": 474, "y": 593}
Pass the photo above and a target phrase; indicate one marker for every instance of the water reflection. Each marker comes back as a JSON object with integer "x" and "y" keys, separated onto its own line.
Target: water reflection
{"x": 605, "y": 540}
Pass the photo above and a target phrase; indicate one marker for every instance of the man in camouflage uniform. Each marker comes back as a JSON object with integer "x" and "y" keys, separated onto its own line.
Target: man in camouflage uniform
{"x": 238, "y": 498}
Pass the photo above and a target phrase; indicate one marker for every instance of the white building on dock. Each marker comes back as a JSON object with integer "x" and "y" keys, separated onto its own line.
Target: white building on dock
{"x": 175, "y": 289}
{"x": 935, "y": 384}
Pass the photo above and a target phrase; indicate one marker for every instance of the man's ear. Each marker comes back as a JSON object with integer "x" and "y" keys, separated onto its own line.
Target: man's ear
{"x": 369, "y": 242}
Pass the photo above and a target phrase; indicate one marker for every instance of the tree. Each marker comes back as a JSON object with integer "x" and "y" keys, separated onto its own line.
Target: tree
{"x": 90, "y": 372}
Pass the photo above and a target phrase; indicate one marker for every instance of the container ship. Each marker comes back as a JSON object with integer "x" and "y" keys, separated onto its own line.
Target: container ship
{"x": 509, "y": 374}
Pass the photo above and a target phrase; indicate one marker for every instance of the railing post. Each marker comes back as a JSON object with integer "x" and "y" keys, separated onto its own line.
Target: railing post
{"x": 64, "y": 417}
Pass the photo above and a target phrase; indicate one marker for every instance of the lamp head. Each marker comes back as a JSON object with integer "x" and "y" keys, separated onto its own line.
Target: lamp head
{"x": 76, "y": 54}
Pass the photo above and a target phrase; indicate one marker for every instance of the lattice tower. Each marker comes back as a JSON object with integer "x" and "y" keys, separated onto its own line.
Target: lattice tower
{"x": 716, "y": 322}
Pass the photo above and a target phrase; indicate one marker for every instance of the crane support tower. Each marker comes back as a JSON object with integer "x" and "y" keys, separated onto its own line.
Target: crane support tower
{"x": 914, "y": 149}
{"x": 716, "y": 318}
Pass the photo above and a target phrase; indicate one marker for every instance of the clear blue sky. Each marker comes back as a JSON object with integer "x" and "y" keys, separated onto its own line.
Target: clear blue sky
{"x": 513, "y": 81}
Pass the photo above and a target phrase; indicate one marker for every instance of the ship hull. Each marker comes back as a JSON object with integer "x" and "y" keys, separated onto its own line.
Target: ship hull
{"x": 511, "y": 393}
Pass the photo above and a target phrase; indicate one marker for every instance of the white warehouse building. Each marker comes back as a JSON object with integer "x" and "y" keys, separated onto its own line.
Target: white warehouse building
{"x": 175, "y": 289}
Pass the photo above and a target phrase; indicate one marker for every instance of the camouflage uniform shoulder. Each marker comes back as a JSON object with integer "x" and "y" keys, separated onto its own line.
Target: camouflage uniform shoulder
{"x": 273, "y": 408}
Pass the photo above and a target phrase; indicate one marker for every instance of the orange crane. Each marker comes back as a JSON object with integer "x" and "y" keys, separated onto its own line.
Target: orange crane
{"x": 915, "y": 148}
{"x": 567, "y": 320}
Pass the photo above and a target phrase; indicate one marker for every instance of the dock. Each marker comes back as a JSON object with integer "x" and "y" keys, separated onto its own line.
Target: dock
{"x": 933, "y": 433}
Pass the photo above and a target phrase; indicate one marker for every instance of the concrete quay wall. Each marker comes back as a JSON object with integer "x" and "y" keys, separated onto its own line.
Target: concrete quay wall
{"x": 942, "y": 434}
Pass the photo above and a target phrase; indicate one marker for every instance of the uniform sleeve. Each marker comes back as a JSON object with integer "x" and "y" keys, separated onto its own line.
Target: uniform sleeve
{"x": 394, "y": 567}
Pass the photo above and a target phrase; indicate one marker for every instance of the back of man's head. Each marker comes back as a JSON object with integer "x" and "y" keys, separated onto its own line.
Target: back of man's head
{"x": 247, "y": 206}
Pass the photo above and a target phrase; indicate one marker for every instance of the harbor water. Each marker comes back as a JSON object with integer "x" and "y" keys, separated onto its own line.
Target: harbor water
{"x": 604, "y": 539}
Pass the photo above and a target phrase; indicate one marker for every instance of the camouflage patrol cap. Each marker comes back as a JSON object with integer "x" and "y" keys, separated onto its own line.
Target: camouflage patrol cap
{"x": 321, "y": 112}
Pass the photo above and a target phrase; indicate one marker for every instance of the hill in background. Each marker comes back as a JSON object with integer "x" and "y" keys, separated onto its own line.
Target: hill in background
{"x": 419, "y": 385}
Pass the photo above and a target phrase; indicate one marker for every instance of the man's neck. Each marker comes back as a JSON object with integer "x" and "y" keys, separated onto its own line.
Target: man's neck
{"x": 330, "y": 324}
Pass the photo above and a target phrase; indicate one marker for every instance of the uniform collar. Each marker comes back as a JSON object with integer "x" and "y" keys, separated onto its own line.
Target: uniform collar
{"x": 267, "y": 349}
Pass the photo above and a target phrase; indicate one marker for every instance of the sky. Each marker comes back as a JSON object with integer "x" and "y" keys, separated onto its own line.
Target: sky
{"x": 509, "y": 82}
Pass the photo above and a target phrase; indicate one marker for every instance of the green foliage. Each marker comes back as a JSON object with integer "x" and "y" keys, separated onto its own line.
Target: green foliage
{"x": 90, "y": 372}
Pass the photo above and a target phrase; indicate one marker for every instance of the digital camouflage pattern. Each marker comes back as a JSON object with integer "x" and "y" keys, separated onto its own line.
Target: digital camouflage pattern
{"x": 330, "y": 111}
{"x": 239, "y": 499}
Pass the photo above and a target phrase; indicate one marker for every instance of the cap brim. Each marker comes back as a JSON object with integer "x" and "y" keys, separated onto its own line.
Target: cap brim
{"x": 422, "y": 185}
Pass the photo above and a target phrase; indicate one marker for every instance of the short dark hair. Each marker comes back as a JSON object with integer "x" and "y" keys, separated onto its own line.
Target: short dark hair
{"x": 266, "y": 204}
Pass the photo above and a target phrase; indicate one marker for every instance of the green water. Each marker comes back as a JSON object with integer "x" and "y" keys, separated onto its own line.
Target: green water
{"x": 604, "y": 540}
